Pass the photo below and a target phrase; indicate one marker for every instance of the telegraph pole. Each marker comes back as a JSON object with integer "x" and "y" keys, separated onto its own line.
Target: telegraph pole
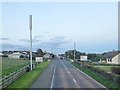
{"x": 30, "y": 20}
{"x": 74, "y": 52}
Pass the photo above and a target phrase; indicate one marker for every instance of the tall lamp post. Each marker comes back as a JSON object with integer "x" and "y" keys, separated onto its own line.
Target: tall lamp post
{"x": 30, "y": 20}
{"x": 74, "y": 52}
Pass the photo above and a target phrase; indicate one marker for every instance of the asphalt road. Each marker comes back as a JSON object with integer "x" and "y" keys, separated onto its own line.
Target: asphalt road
{"x": 62, "y": 74}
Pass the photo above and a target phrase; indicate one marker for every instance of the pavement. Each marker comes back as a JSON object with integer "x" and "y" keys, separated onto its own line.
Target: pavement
{"x": 44, "y": 80}
{"x": 62, "y": 74}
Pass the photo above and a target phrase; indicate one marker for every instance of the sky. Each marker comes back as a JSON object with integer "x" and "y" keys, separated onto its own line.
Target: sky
{"x": 93, "y": 26}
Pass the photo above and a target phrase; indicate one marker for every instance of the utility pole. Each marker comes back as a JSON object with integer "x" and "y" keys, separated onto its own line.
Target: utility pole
{"x": 30, "y": 20}
{"x": 74, "y": 52}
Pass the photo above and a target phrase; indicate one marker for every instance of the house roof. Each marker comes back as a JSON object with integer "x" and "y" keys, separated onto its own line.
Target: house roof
{"x": 110, "y": 54}
{"x": 16, "y": 53}
{"x": 1, "y": 53}
{"x": 7, "y": 52}
{"x": 47, "y": 55}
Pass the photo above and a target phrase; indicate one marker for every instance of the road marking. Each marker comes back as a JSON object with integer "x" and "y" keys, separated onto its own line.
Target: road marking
{"x": 89, "y": 76}
{"x": 74, "y": 80}
{"x": 53, "y": 77}
{"x": 65, "y": 68}
{"x": 68, "y": 72}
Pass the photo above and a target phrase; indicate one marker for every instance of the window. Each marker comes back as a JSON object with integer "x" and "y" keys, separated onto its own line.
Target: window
{"x": 109, "y": 60}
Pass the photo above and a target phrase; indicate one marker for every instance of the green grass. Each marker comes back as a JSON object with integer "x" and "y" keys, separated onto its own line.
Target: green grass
{"x": 10, "y": 65}
{"x": 28, "y": 78}
{"x": 0, "y": 67}
{"x": 108, "y": 83}
{"x": 105, "y": 68}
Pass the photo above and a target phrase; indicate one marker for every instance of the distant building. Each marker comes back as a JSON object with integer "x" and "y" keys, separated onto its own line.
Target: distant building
{"x": 1, "y": 54}
{"x": 7, "y": 53}
{"x": 83, "y": 58}
{"x": 47, "y": 56}
{"x": 112, "y": 57}
{"x": 15, "y": 55}
{"x": 39, "y": 59}
{"x": 18, "y": 55}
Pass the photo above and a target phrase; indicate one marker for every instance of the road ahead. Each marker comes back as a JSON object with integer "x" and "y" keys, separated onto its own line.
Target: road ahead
{"x": 64, "y": 75}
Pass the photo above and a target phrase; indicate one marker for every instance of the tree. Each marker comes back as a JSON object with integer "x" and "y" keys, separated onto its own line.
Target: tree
{"x": 91, "y": 56}
{"x": 70, "y": 54}
{"x": 39, "y": 52}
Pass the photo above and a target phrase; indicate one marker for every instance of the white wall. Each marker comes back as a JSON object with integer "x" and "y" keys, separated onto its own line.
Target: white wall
{"x": 116, "y": 59}
{"x": 83, "y": 58}
{"x": 15, "y": 55}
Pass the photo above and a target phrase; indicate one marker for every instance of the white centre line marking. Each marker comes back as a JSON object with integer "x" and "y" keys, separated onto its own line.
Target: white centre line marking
{"x": 89, "y": 77}
{"x": 68, "y": 72}
{"x": 53, "y": 77}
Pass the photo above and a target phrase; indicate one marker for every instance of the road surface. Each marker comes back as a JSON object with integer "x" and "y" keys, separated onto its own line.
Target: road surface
{"x": 62, "y": 74}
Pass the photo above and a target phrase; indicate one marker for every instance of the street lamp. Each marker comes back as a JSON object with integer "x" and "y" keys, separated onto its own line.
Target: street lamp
{"x": 74, "y": 52}
{"x": 30, "y": 20}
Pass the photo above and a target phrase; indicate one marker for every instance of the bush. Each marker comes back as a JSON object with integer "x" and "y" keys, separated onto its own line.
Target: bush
{"x": 117, "y": 79}
{"x": 115, "y": 70}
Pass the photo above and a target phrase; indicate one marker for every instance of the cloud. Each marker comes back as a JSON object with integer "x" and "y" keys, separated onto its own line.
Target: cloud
{"x": 56, "y": 44}
{"x": 35, "y": 39}
{"x": 13, "y": 47}
{"x": 5, "y": 38}
{"x": 24, "y": 40}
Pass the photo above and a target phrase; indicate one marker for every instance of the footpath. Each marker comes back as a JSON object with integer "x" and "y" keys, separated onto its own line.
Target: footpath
{"x": 45, "y": 79}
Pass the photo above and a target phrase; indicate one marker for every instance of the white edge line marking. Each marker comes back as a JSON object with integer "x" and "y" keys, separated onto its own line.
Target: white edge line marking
{"x": 89, "y": 76}
{"x": 74, "y": 80}
{"x": 53, "y": 77}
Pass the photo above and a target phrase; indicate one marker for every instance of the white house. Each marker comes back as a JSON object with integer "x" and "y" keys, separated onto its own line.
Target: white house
{"x": 47, "y": 56}
{"x": 18, "y": 55}
{"x": 83, "y": 58}
{"x": 15, "y": 55}
{"x": 112, "y": 57}
{"x": 1, "y": 54}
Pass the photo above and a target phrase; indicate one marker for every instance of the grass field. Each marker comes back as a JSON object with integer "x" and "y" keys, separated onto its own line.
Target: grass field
{"x": 10, "y": 65}
{"x": 108, "y": 83}
{"x": 0, "y": 67}
{"x": 28, "y": 78}
{"x": 105, "y": 68}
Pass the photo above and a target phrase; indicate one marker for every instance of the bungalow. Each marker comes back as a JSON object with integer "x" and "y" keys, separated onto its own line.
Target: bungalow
{"x": 6, "y": 53}
{"x": 18, "y": 55}
{"x": 47, "y": 56}
{"x": 1, "y": 54}
{"x": 112, "y": 57}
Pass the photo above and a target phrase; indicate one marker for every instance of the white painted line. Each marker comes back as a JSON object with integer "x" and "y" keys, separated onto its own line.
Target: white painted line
{"x": 68, "y": 72}
{"x": 74, "y": 80}
{"x": 65, "y": 68}
{"x": 89, "y": 76}
{"x": 63, "y": 65}
{"x": 53, "y": 77}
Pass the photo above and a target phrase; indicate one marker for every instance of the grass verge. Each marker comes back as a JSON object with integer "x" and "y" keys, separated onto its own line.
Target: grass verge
{"x": 28, "y": 78}
{"x": 108, "y": 83}
{"x": 10, "y": 65}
